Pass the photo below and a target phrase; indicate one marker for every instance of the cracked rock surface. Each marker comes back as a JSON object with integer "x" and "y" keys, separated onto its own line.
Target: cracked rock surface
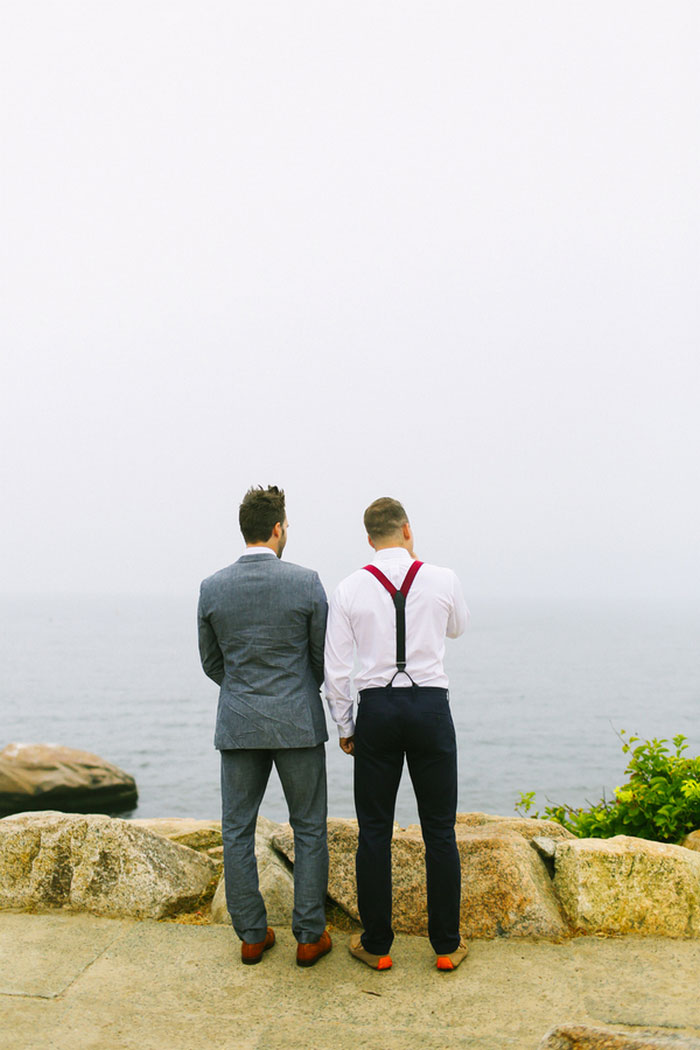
{"x": 97, "y": 864}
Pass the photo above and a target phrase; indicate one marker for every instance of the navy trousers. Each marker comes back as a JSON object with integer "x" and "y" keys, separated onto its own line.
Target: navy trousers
{"x": 415, "y": 722}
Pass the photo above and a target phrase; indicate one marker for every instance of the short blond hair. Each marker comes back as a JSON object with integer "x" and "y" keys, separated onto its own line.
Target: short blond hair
{"x": 384, "y": 517}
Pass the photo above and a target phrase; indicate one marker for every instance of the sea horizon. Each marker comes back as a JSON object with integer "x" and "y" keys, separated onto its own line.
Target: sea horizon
{"x": 539, "y": 690}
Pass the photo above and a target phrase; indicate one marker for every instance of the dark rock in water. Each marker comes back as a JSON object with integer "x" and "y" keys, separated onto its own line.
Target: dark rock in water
{"x": 43, "y": 776}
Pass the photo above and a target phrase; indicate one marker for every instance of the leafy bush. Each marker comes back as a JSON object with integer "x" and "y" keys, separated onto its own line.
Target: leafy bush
{"x": 660, "y": 801}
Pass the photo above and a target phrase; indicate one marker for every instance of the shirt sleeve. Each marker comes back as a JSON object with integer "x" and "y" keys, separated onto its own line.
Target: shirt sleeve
{"x": 338, "y": 662}
{"x": 459, "y": 613}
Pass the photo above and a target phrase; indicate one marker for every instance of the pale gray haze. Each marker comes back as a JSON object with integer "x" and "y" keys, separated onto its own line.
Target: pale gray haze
{"x": 445, "y": 251}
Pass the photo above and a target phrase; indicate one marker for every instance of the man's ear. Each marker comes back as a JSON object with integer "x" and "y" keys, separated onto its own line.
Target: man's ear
{"x": 369, "y": 540}
{"x": 408, "y": 537}
{"x": 277, "y": 530}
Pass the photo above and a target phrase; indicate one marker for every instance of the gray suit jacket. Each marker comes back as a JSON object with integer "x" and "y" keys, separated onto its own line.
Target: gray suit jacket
{"x": 262, "y": 624}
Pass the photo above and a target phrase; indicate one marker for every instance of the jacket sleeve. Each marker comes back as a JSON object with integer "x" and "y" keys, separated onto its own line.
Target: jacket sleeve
{"x": 317, "y": 627}
{"x": 210, "y": 654}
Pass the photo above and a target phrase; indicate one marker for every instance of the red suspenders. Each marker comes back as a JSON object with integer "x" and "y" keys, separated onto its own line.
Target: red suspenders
{"x": 399, "y": 599}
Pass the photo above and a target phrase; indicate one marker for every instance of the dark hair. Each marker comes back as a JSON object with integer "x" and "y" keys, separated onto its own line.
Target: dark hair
{"x": 259, "y": 512}
{"x": 384, "y": 517}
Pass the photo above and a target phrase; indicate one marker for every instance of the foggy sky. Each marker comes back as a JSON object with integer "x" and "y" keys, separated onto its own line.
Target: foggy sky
{"x": 442, "y": 251}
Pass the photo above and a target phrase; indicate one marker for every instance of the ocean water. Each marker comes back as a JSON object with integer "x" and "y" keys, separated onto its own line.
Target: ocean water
{"x": 538, "y": 692}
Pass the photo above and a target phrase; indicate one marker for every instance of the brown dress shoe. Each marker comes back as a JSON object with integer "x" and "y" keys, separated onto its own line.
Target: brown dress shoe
{"x": 253, "y": 953}
{"x": 308, "y": 954}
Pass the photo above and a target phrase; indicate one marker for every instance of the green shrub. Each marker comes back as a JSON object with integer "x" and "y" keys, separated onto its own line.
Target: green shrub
{"x": 660, "y": 801}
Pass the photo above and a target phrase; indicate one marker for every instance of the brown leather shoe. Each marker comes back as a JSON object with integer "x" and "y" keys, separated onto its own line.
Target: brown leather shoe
{"x": 253, "y": 953}
{"x": 308, "y": 954}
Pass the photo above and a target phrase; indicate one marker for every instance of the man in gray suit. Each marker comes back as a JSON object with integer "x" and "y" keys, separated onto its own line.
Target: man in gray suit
{"x": 261, "y": 632}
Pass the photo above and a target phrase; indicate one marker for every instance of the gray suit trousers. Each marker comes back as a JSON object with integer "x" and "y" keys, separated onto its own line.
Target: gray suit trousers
{"x": 244, "y": 776}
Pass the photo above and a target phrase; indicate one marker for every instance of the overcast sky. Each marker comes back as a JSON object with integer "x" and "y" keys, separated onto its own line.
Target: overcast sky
{"x": 446, "y": 251}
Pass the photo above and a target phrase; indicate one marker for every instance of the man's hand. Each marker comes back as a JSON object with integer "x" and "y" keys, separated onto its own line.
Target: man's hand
{"x": 347, "y": 744}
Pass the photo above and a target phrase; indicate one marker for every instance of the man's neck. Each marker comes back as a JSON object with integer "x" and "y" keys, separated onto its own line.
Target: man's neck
{"x": 402, "y": 539}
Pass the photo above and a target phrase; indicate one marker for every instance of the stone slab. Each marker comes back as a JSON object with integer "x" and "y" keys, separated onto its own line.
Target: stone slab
{"x": 54, "y": 951}
{"x": 331, "y": 1037}
{"x": 165, "y": 986}
{"x": 641, "y": 982}
{"x": 24, "y": 1020}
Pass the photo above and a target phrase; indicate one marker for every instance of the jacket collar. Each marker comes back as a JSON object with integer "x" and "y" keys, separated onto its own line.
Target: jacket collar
{"x": 259, "y": 555}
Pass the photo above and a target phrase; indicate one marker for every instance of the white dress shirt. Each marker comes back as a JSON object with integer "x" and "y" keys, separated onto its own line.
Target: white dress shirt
{"x": 361, "y": 631}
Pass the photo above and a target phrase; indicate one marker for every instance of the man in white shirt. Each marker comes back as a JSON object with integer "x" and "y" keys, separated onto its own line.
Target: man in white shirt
{"x": 392, "y": 618}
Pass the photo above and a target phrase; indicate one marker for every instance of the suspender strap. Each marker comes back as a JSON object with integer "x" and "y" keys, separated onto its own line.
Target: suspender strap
{"x": 399, "y": 599}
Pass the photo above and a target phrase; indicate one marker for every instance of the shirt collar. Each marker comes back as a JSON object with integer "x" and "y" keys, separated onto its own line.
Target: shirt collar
{"x": 391, "y": 554}
{"x": 257, "y": 550}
